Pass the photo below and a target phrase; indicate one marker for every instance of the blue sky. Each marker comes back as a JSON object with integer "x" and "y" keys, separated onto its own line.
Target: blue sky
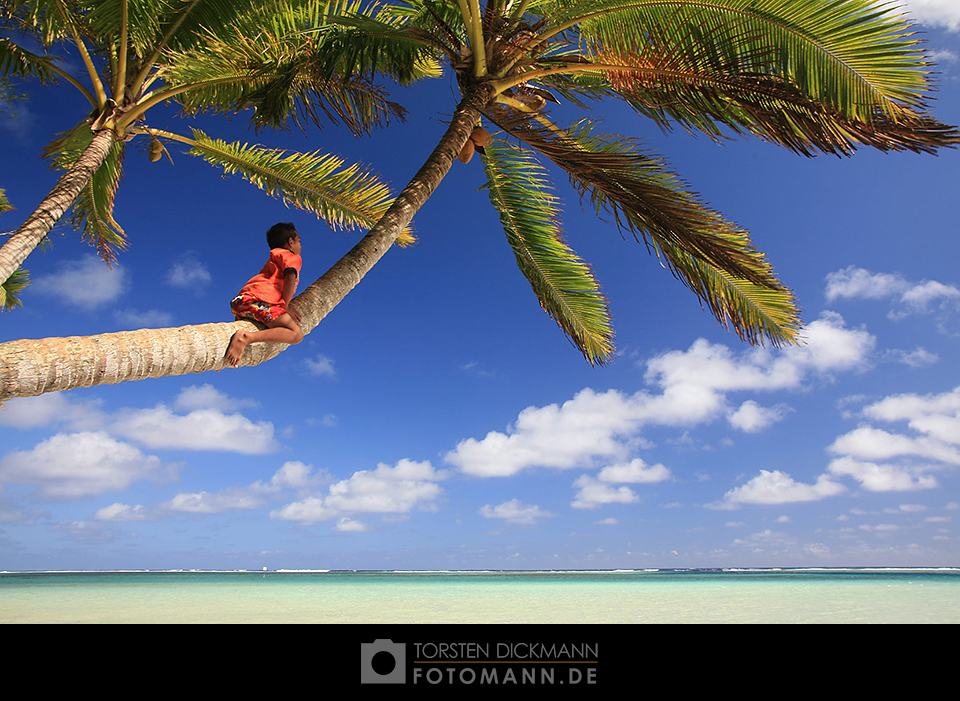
{"x": 437, "y": 418}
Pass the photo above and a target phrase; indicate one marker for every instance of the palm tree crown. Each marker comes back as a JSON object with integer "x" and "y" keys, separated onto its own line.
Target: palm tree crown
{"x": 815, "y": 76}
{"x": 137, "y": 54}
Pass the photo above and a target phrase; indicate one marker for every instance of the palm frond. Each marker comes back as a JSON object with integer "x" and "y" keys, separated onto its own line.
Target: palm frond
{"x": 806, "y": 73}
{"x": 282, "y": 80}
{"x": 346, "y": 197}
{"x": 92, "y": 211}
{"x": 707, "y": 253}
{"x": 754, "y": 312}
{"x": 17, "y": 62}
{"x": 11, "y": 288}
{"x": 561, "y": 280}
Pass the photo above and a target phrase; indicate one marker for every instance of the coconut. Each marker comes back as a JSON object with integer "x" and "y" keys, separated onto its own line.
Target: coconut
{"x": 155, "y": 156}
{"x": 481, "y": 137}
{"x": 467, "y": 153}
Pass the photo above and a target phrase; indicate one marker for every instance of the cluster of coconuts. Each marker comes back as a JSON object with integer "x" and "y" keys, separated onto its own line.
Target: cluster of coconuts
{"x": 156, "y": 150}
{"x": 479, "y": 138}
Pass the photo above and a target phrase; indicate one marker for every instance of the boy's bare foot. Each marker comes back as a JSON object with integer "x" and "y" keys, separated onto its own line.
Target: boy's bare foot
{"x": 239, "y": 341}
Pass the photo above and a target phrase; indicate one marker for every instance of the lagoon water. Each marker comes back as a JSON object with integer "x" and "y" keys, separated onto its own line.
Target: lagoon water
{"x": 651, "y": 596}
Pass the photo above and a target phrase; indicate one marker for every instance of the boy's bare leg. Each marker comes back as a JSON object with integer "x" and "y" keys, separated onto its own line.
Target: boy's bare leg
{"x": 283, "y": 329}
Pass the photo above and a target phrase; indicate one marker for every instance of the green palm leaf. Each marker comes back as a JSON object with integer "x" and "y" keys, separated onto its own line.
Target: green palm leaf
{"x": 9, "y": 289}
{"x": 15, "y": 61}
{"x": 561, "y": 280}
{"x": 708, "y": 254}
{"x": 92, "y": 211}
{"x": 282, "y": 79}
{"x": 807, "y": 74}
{"x": 344, "y": 196}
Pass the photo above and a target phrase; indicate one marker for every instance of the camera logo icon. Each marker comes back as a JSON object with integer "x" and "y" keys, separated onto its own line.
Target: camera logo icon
{"x": 383, "y": 662}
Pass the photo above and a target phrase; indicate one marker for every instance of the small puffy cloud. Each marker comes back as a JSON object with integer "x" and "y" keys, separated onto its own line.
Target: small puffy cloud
{"x": 188, "y": 273}
{"x": 86, "y": 283}
{"x": 308, "y": 510}
{"x": 202, "y": 429}
{"x": 73, "y": 466}
{"x": 919, "y": 358}
{"x": 592, "y": 493}
{"x": 936, "y": 415}
{"x": 882, "y": 478}
{"x": 122, "y": 513}
{"x": 560, "y": 437}
{"x": 750, "y": 417}
{"x": 908, "y": 298}
{"x": 321, "y": 366}
{"x": 635, "y": 471}
{"x": 47, "y": 409}
{"x": 350, "y": 525}
{"x": 292, "y": 475}
{"x": 872, "y": 443}
{"x": 208, "y": 397}
{"x": 856, "y": 283}
{"x": 776, "y": 487}
{"x": 230, "y": 499}
{"x": 385, "y": 490}
{"x": 515, "y": 511}
{"x": 152, "y": 319}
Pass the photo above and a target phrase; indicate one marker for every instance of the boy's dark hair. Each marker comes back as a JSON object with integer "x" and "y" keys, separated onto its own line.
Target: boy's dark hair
{"x": 280, "y": 233}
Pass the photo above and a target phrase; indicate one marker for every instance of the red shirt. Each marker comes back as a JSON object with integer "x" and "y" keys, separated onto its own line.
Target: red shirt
{"x": 267, "y": 286}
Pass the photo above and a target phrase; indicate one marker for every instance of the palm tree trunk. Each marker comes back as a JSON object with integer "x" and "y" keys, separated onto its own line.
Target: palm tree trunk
{"x": 29, "y": 368}
{"x": 22, "y": 242}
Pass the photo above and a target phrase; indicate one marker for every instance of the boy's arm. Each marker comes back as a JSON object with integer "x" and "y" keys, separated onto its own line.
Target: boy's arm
{"x": 290, "y": 279}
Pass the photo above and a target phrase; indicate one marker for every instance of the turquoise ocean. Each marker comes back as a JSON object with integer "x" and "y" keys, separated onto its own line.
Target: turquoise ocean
{"x": 508, "y": 597}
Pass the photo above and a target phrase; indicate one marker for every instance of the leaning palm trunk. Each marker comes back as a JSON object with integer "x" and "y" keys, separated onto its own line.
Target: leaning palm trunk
{"x": 32, "y": 367}
{"x": 22, "y": 242}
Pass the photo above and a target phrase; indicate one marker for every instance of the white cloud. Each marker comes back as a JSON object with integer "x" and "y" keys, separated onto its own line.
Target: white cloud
{"x": 349, "y": 525}
{"x": 866, "y": 452}
{"x": 87, "y": 283}
{"x": 909, "y": 298}
{"x": 920, "y": 358}
{"x": 386, "y": 490}
{"x": 321, "y": 366}
{"x": 72, "y": 466}
{"x": 515, "y": 511}
{"x": 856, "y": 283}
{"x": 594, "y": 426}
{"x": 152, "y": 319}
{"x": 750, "y": 417}
{"x": 52, "y": 408}
{"x": 635, "y": 471}
{"x": 187, "y": 272}
{"x": 122, "y": 513}
{"x": 776, "y": 487}
{"x": 230, "y": 499}
{"x": 882, "y": 478}
{"x": 202, "y": 429}
{"x": 594, "y": 493}
{"x": 943, "y": 13}
{"x": 937, "y": 415}
{"x": 872, "y": 443}
{"x": 293, "y": 475}
{"x": 560, "y": 437}
{"x": 208, "y": 397}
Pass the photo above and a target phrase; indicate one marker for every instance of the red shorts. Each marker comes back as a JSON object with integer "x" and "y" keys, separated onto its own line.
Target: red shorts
{"x": 247, "y": 307}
